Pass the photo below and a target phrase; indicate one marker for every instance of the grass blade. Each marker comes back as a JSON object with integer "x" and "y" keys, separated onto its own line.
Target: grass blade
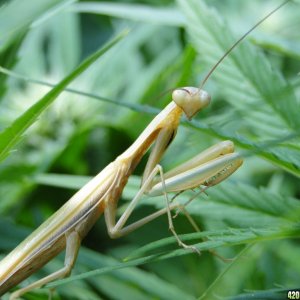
{"x": 10, "y": 136}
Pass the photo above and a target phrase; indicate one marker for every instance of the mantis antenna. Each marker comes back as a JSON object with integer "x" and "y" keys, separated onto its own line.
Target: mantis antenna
{"x": 239, "y": 41}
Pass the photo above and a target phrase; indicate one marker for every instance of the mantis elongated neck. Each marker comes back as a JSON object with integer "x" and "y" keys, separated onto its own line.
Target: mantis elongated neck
{"x": 168, "y": 117}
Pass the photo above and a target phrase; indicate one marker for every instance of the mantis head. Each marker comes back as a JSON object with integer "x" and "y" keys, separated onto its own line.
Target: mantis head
{"x": 191, "y": 100}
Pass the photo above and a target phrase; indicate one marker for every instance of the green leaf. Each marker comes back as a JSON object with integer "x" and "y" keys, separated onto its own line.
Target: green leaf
{"x": 245, "y": 73}
{"x": 263, "y": 105}
{"x": 135, "y": 12}
{"x": 17, "y": 15}
{"x": 219, "y": 238}
{"x": 11, "y": 135}
{"x": 279, "y": 151}
{"x": 132, "y": 106}
{"x": 149, "y": 284}
{"x": 162, "y": 249}
{"x": 61, "y": 180}
{"x": 8, "y": 57}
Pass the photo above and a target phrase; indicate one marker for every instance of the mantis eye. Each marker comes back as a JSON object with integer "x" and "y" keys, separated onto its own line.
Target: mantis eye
{"x": 191, "y": 100}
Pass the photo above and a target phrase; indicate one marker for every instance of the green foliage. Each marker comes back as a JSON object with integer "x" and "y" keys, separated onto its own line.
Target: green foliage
{"x": 253, "y": 217}
{"x": 11, "y": 135}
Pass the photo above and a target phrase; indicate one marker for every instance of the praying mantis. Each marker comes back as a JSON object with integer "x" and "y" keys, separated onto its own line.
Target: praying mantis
{"x": 68, "y": 226}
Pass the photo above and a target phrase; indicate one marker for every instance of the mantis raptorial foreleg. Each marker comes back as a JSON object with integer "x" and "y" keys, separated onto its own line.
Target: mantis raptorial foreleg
{"x": 208, "y": 168}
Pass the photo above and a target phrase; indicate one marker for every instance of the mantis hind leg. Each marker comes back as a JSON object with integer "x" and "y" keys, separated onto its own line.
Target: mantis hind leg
{"x": 73, "y": 241}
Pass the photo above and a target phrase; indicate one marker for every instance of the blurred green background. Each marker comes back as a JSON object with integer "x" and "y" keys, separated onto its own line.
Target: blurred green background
{"x": 252, "y": 218}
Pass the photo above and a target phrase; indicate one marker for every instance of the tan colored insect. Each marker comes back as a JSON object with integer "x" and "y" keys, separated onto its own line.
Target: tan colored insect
{"x": 68, "y": 226}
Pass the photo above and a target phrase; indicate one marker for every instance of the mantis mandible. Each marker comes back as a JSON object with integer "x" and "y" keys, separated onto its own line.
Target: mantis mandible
{"x": 68, "y": 226}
